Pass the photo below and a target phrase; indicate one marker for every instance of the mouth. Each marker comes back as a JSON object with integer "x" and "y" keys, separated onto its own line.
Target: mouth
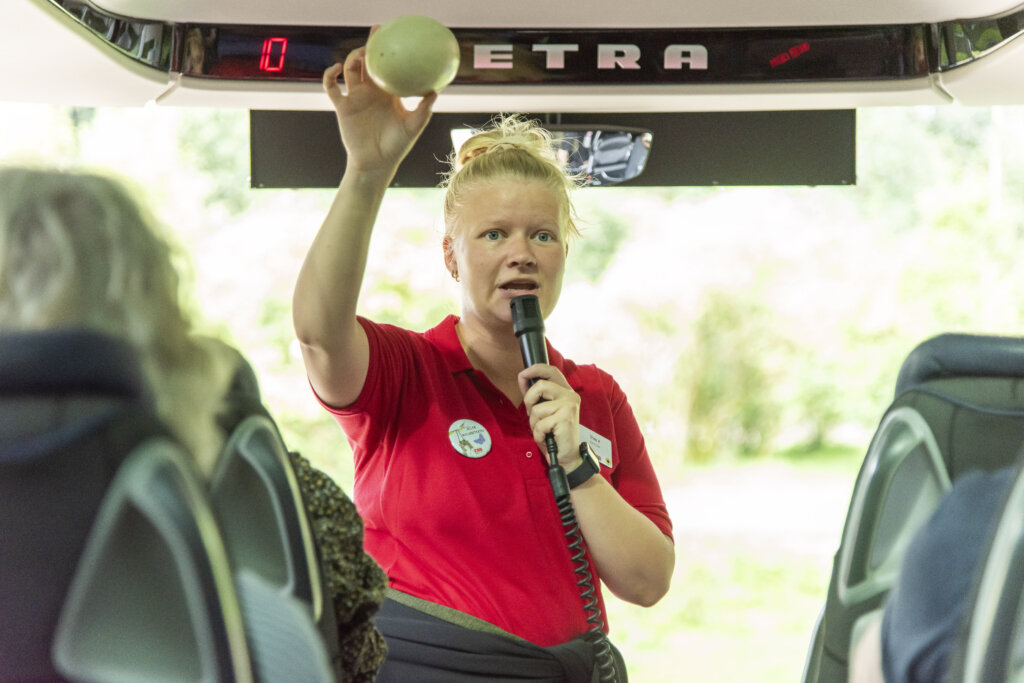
{"x": 519, "y": 286}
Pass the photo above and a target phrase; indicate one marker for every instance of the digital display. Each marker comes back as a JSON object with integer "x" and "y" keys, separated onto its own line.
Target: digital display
{"x": 561, "y": 57}
{"x": 272, "y": 55}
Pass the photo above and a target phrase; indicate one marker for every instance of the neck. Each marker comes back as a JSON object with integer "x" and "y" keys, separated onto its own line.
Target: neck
{"x": 494, "y": 352}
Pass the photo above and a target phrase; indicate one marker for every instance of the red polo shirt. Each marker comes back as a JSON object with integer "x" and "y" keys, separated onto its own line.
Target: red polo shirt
{"x": 480, "y": 532}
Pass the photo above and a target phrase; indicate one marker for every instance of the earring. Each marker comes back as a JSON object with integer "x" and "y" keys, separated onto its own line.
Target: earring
{"x": 455, "y": 274}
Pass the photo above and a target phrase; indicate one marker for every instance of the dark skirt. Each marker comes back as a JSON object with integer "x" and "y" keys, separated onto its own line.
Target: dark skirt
{"x": 425, "y": 648}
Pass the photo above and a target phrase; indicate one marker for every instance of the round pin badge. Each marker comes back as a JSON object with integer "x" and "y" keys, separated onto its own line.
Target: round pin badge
{"x": 469, "y": 438}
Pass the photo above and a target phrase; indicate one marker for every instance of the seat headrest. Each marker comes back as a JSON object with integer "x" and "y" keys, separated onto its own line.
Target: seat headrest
{"x": 67, "y": 361}
{"x": 962, "y": 355}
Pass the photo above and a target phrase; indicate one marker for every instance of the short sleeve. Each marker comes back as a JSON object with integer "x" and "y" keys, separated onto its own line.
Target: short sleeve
{"x": 635, "y": 478}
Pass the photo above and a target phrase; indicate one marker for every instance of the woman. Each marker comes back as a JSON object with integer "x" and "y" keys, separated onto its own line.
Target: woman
{"x": 447, "y": 426}
{"x": 77, "y": 251}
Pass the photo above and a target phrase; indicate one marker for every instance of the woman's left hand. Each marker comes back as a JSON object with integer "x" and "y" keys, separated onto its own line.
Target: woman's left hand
{"x": 554, "y": 408}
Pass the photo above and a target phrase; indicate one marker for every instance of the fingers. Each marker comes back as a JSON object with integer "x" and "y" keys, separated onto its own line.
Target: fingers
{"x": 560, "y": 419}
{"x": 427, "y": 103}
{"x": 421, "y": 114}
{"x": 539, "y": 373}
{"x": 417, "y": 119}
{"x": 553, "y": 407}
{"x": 330, "y": 80}
{"x": 354, "y": 66}
{"x": 351, "y": 69}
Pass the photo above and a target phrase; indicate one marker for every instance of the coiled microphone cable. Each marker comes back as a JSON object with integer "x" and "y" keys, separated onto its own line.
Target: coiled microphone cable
{"x": 528, "y": 324}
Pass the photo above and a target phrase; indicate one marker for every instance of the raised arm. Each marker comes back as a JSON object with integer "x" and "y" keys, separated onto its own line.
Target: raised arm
{"x": 377, "y": 132}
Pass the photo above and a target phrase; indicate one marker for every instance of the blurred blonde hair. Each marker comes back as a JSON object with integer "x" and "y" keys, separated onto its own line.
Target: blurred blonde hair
{"x": 76, "y": 250}
{"x": 511, "y": 147}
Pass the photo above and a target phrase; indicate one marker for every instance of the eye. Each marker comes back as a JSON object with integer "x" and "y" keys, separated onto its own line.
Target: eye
{"x": 545, "y": 236}
{"x": 492, "y": 235}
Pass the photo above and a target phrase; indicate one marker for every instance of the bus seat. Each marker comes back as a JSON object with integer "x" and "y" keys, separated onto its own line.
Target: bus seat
{"x": 958, "y": 405}
{"x": 72, "y": 406}
{"x": 970, "y": 390}
{"x": 991, "y": 643}
{"x": 113, "y": 565}
{"x": 258, "y": 504}
{"x": 153, "y": 596}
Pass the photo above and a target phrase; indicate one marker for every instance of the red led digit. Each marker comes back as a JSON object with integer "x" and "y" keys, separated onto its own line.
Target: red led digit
{"x": 272, "y": 57}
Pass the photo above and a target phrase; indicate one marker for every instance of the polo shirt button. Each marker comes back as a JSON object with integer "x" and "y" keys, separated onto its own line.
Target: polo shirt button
{"x": 529, "y": 454}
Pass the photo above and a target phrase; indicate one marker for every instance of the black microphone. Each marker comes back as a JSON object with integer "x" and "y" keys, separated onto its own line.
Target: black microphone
{"x": 528, "y": 324}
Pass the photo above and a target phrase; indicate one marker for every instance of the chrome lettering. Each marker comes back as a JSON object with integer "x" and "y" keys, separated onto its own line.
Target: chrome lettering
{"x": 694, "y": 56}
{"x": 609, "y": 56}
{"x": 555, "y": 53}
{"x": 618, "y": 56}
{"x": 492, "y": 56}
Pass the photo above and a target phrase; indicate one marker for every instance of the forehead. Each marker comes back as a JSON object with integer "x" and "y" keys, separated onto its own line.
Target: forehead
{"x": 509, "y": 199}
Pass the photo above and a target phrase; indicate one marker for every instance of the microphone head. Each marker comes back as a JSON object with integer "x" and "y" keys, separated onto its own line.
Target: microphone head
{"x": 526, "y": 316}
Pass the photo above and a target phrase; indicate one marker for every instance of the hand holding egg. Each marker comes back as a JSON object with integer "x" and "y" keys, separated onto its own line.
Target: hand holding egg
{"x": 412, "y": 56}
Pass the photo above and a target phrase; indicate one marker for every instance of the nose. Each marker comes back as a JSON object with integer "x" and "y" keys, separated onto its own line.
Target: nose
{"x": 520, "y": 253}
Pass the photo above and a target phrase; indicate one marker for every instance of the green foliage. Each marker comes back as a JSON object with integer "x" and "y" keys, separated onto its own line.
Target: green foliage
{"x": 732, "y": 406}
{"x": 818, "y": 400}
{"x": 321, "y": 441}
{"x": 590, "y": 256}
{"x": 734, "y": 613}
{"x": 399, "y": 303}
{"x": 216, "y": 143}
{"x": 276, "y": 323}
{"x": 845, "y": 458}
{"x": 81, "y": 117}
{"x": 659, "y": 322}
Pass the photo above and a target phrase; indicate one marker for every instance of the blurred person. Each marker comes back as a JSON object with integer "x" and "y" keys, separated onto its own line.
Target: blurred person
{"x": 924, "y": 613}
{"x": 447, "y": 432}
{"x": 78, "y": 251}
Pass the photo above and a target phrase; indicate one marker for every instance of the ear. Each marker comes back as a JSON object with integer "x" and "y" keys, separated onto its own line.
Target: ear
{"x": 448, "y": 246}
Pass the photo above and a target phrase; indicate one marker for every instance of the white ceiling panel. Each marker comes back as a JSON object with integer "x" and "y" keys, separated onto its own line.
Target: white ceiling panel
{"x": 547, "y": 14}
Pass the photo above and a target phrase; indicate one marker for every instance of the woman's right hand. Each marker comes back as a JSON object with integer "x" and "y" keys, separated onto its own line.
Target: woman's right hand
{"x": 376, "y": 129}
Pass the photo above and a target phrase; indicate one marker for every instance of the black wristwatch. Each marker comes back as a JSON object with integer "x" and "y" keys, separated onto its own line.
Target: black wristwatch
{"x": 586, "y": 469}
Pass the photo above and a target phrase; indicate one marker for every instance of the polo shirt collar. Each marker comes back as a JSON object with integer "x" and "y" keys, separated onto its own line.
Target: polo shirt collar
{"x": 446, "y": 340}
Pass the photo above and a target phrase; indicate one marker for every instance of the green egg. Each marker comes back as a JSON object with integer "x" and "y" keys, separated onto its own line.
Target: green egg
{"x": 412, "y": 55}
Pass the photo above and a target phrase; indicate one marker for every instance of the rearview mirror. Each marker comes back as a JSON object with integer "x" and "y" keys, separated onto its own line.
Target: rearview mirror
{"x": 603, "y": 156}
{"x": 599, "y": 155}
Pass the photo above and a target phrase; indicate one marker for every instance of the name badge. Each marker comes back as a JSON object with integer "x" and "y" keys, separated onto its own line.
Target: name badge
{"x": 599, "y": 445}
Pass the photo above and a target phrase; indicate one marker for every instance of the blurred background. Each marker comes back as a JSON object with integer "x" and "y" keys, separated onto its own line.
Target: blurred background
{"x": 758, "y": 331}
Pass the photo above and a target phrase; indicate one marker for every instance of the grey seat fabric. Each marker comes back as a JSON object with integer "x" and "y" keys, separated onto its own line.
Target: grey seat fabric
{"x": 273, "y": 551}
{"x": 114, "y": 565}
{"x": 283, "y": 638}
{"x": 259, "y": 508}
{"x": 72, "y": 407}
{"x": 153, "y": 596}
{"x": 958, "y": 406}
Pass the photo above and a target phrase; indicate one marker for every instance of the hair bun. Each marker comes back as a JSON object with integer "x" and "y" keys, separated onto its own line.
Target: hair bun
{"x": 509, "y": 132}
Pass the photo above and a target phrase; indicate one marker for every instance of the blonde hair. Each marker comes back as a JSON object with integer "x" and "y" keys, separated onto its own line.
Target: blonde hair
{"x": 511, "y": 147}
{"x": 77, "y": 251}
